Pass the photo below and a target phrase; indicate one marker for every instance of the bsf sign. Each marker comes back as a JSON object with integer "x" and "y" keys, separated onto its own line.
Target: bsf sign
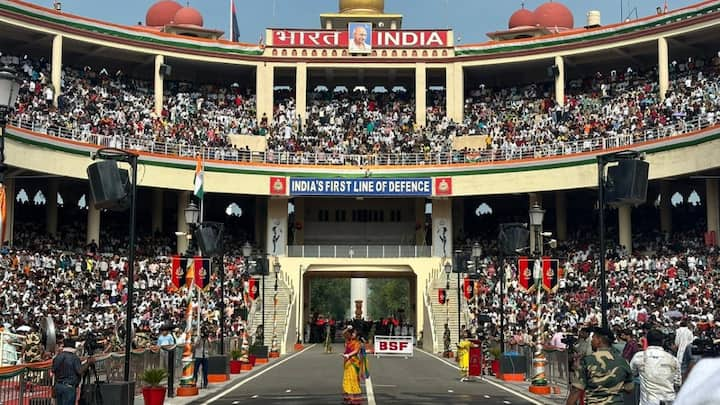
{"x": 393, "y": 346}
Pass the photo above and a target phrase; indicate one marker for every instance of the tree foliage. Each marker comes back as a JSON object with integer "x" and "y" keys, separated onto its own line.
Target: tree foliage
{"x": 330, "y": 297}
{"x": 387, "y": 296}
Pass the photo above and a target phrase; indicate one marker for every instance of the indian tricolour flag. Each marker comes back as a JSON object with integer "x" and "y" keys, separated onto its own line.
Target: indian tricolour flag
{"x": 3, "y": 213}
{"x": 199, "y": 179}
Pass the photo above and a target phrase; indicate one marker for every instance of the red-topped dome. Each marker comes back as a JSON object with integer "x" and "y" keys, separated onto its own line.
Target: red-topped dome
{"x": 188, "y": 16}
{"x": 161, "y": 13}
{"x": 552, "y": 15}
{"x": 522, "y": 18}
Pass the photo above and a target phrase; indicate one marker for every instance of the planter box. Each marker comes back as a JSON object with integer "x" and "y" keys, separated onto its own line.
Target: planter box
{"x": 235, "y": 366}
{"x": 260, "y": 351}
{"x": 153, "y": 395}
{"x": 218, "y": 364}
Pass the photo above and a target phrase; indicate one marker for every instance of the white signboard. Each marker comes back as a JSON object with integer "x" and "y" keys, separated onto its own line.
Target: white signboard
{"x": 394, "y": 346}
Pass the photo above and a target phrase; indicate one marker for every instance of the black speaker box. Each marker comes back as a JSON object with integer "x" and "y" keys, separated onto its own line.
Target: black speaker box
{"x": 109, "y": 187}
{"x": 218, "y": 365}
{"x": 513, "y": 364}
{"x": 513, "y": 236}
{"x": 116, "y": 393}
{"x": 210, "y": 238}
{"x": 165, "y": 70}
{"x": 627, "y": 182}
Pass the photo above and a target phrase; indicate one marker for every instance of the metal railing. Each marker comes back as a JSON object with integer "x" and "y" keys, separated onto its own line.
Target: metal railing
{"x": 596, "y": 142}
{"x": 359, "y": 252}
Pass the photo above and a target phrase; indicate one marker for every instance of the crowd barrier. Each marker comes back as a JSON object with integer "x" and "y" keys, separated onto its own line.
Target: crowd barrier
{"x": 597, "y": 143}
{"x": 31, "y": 383}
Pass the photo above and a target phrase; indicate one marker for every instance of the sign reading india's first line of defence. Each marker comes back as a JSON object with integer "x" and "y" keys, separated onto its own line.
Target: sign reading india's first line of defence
{"x": 361, "y": 187}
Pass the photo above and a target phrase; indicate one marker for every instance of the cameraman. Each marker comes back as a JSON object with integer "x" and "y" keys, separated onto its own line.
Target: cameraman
{"x": 202, "y": 347}
{"x": 604, "y": 375}
{"x": 68, "y": 371}
{"x": 659, "y": 371}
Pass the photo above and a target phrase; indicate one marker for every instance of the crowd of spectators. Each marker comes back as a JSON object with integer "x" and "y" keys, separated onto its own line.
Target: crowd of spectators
{"x": 519, "y": 121}
{"x": 664, "y": 283}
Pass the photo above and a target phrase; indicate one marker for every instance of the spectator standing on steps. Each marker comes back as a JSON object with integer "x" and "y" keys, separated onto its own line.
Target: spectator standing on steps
{"x": 201, "y": 353}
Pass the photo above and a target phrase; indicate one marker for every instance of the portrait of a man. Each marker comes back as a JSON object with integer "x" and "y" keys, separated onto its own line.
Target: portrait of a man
{"x": 360, "y": 37}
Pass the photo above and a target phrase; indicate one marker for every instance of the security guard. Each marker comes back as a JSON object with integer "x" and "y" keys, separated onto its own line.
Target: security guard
{"x": 603, "y": 375}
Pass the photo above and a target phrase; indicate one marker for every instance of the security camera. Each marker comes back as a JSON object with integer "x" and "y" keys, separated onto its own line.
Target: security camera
{"x": 93, "y": 155}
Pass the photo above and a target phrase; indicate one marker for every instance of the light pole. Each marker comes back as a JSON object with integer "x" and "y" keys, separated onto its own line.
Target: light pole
{"x": 602, "y": 161}
{"x": 298, "y": 321}
{"x": 276, "y": 269}
{"x": 447, "y": 267}
{"x": 539, "y": 383}
{"x": 9, "y": 89}
{"x": 120, "y": 155}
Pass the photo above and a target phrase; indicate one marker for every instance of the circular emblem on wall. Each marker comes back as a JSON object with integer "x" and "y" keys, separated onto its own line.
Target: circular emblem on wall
{"x": 443, "y": 186}
{"x": 277, "y": 185}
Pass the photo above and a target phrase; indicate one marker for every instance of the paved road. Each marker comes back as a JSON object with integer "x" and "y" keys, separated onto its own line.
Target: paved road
{"x": 312, "y": 377}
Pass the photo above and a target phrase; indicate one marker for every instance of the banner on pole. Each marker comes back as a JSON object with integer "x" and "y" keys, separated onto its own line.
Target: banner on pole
{"x": 189, "y": 270}
{"x": 442, "y": 297}
{"x": 551, "y": 274}
{"x": 253, "y": 289}
{"x": 525, "y": 274}
{"x": 468, "y": 288}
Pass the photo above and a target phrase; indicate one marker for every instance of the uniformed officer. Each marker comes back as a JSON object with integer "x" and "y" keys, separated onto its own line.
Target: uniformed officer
{"x": 603, "y": 375}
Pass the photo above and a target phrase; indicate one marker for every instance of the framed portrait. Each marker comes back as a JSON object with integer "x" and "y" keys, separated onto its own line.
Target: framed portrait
{"x": 359, "y": 37}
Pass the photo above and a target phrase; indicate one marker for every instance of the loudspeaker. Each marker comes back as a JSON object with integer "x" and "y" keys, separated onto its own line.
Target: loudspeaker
{"x": 513, "y": 236}
{"x": 627, "y": 182}
{"x": 209, "y": 236}
{"x": 165, "y": 70}
{"x": 218, "y": 365}
{"x": 108, "y": 186}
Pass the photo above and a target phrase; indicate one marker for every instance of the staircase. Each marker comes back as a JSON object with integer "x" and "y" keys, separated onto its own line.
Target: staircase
{"x": 447, "y": 313}
{"x": 279, "y": 311}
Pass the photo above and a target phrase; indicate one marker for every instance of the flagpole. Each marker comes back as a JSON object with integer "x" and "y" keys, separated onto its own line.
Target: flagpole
{"x": 232, "y": 33}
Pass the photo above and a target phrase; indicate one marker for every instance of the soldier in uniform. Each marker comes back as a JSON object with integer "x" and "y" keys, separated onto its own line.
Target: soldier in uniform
{"x": 603, "y": 375}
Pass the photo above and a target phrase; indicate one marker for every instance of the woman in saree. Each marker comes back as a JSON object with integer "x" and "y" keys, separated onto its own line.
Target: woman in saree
{"x": 353, "y": 367}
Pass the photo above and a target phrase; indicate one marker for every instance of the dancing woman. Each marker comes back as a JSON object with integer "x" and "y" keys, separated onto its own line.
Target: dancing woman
{"x": 353, "y": 367}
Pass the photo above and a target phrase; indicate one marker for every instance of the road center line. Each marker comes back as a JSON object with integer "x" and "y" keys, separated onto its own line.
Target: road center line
{"x": 370, "y": 392}
{"x": 493, "y": 383}
{"x": 254, "y": 376}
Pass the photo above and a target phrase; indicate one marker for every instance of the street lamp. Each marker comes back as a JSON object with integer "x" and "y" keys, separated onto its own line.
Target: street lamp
{"x": 476, "y": 254}
{"x": 539, "y": 383}
{"x": 276, "y": 269}
{"x": 192, "y": 214}
{"x": 9, "y": 89}
{"x": 246, "y": 252}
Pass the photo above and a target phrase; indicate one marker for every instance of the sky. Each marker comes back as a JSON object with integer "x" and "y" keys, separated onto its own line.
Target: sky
{"x": 470, "y": 19}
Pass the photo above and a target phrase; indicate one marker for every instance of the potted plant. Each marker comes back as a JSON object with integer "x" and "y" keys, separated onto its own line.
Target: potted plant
{"x": 235, "y": 362}
{"x": 153, "y": 392}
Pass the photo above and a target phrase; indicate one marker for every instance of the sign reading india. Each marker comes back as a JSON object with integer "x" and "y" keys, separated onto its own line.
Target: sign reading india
{"x": 361, "y": 187}
{"x": 380, "y": 39}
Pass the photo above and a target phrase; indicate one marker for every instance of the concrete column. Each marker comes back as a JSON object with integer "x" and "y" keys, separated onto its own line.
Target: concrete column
{"x": 358, "y": 291}
{"x": 665, "y": 207}
{"x": 561, "y": 215}
{"x": 93, "y": 223}
{"x": 301, "y": 91}
{"x": 260, "y": 218}
{"x": 157, "y": 212}
{"x": 442, "y": 228}
{"x": 51, "y": 207}
{"x": 56, "y": 68}
{"x": 663, "y": 67}
{"x": 420, "y": 221}
{"x": 299, "y": 219}
{"x": 183, "y": 199}
{"x": 159, "y": 81}
{"x": 713, "y": 215}
{"x": 454, "y": 92}
{"x": 458, "y": 220}
{"x": 625, "y": 226}
{"x": 264, "y": 84}
{"x": 420, "y": 94}
{"x": 7, "y": 233}
{"x": 277, "y": 221}
{"x": 560, "y": 80}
